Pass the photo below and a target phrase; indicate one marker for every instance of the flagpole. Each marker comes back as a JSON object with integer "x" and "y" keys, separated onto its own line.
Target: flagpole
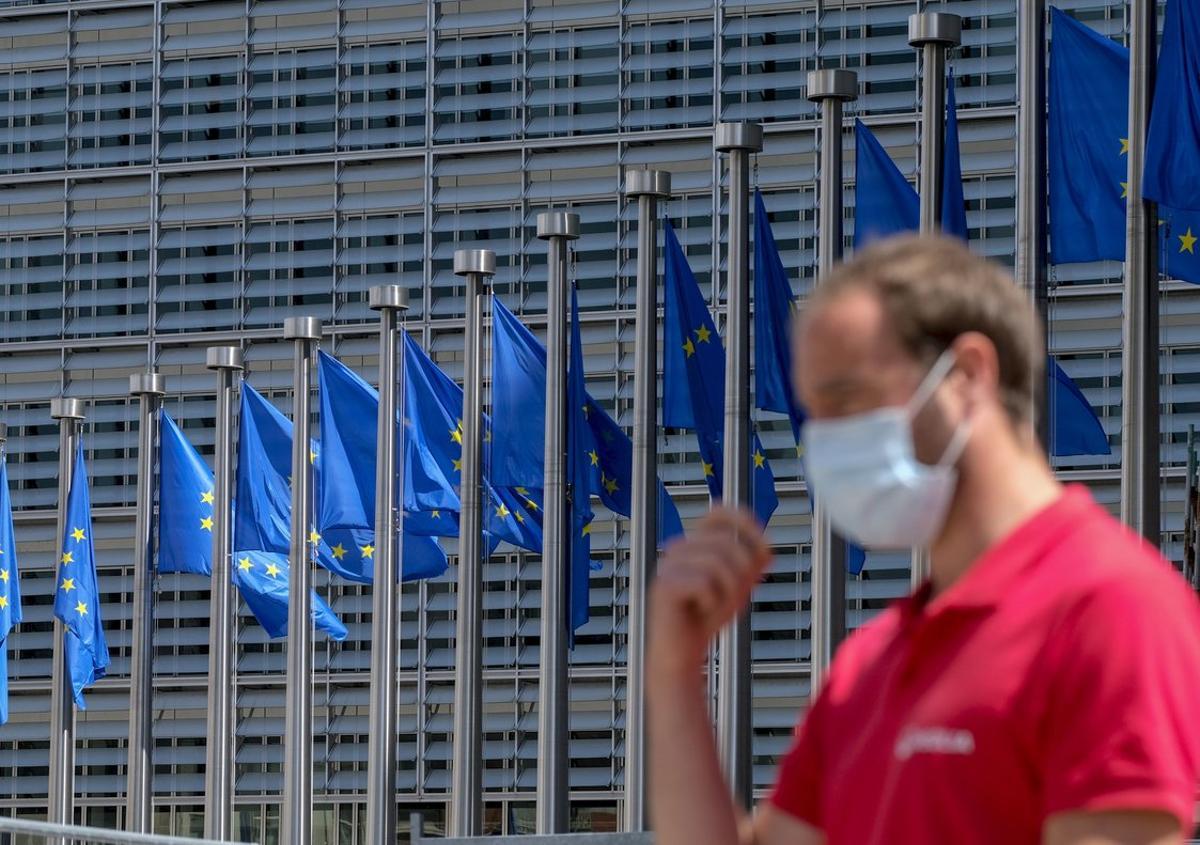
{"x": 932, "y": 33}
{"x": 476, "y": 266}
{"x": 60, "y": 796}
{"x": 1031, "y": 259}
{"x": 830, "y": 89}
{"x": 221, "y": 749}
{"x": 391, "y": 301}
{"x": 139, "y": 791}
{"x": 647, "y": 188}
{"x": 1140, "y": 341}
{"x": 553, "y": 772}
{"x": 298, "y": 736}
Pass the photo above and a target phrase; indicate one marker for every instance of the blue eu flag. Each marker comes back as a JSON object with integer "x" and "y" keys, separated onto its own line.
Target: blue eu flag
{"x": 884, "y": 203}
{"x": 10, "y": 587}
{"x": 77, "y": 593}
{"x": 262, "y": 519}
{"x": 774, "y": 308}
{"x": 694, "y": 378}
{"x": 518, "y": 401}
{"x": 1172, "y": 171}
{"x": 345, "y": 481}
{"x": 185, "y": 509}
{"x": 954, "y": 207}
{"x": 1087, "y": 153}
{"x": 1074, "y": 427}
{"x": 580, "y": 448}
{"x": 433, "y": 471}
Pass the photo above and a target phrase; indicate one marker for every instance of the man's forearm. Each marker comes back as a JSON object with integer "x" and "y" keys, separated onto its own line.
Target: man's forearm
{"x": 690, "y": 802}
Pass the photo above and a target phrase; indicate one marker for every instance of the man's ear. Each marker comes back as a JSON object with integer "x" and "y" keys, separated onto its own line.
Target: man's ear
{"x": 976, "y": 359}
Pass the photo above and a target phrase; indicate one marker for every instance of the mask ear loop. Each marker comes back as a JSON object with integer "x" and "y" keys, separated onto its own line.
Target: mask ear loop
{"x": 933, "y": 379}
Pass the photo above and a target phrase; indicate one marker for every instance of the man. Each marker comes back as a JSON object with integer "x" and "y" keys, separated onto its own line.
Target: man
{"x": 1042, "y": 686}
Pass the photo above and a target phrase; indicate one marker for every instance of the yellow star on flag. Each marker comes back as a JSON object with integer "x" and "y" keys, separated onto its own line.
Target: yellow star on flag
{"x": 314, "y": 537}
{"x": 206, "y": 523}
{"x": 520, "y": 517}
{"x": 531, "y": 504}
{"x": 708, "y": 468}
{"x": 1124, "y": 146}
{"x": 81, "y": 609}
{"x": 689, "y": 347}
{"x": 4, "y": 575}
{"x": 456, "y": 436}
{"x": 68, "y": 557}
{"x": 458, "y": 465}
{"x": 3, "y": 602}
{"x": 437, "y": 514}
{"x": 339, "y": 551}
{"x": 1124, "y": 190}
{"x": 206, "y": 497}
{"x": 245, "y": 565}
{"x": 368, "y": 551}
{"x": 587, "y": 529}
{"x": 68, "y": 584}
{"x": 272, "y": 570}
{"x": 703, "y": 334}
{"x": 502, "y": 511}
{"x": 759, "y": 459}
{"x": 522, "y": 490}
{"x": 312, "y": 456}
{"x": 611, "y": 485}
{"x": 1187, "y": 242}
{"x": 77, "y": 535}
{"x": 595, "y": 458}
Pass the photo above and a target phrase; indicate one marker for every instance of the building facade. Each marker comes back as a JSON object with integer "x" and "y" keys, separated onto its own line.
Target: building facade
{"x": 176, "y": 174}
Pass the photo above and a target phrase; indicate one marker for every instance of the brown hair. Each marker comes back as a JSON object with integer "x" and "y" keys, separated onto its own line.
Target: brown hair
{"x": 934, "y": 289}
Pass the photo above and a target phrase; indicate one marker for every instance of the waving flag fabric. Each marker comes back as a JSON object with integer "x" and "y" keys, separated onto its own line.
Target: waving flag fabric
{"x": 10, "y": 586}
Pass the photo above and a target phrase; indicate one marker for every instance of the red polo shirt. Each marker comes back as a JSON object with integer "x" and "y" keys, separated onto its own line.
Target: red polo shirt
{"x": 1061, "y": 672}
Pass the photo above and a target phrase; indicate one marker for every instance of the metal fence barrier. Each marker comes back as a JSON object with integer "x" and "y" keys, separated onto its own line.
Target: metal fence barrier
{"x": 419, "y": 838}
{"x": 23, "y": 832}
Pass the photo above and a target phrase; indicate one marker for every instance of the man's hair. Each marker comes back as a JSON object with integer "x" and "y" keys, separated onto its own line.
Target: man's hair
{"x": 933, "y": 289}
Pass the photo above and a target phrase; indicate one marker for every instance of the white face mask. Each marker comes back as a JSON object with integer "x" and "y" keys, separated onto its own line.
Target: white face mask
{"x": 865, "y": 471}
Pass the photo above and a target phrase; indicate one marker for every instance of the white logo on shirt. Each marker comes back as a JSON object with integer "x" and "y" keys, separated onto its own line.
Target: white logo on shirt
{"x": 934, "y": 740}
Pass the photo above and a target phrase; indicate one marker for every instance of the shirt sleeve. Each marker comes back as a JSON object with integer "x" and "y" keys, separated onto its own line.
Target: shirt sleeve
{"x": 1119, "y": 731}
{"x": 798, "y": 788}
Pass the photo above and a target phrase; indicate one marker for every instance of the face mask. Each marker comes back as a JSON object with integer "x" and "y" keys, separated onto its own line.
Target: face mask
{"x": 865, "y": 471}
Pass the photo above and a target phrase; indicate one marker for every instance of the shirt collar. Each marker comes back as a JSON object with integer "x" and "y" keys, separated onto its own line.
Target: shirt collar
{"x": 988, "y": 579}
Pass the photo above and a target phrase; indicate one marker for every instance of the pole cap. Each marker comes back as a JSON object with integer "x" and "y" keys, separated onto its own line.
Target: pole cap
{"x": 223, "y": 358}
{"x": 647, "y": 183}
{"x": 302, "y": 328}
{"x": 558, "y": 224}
{"x": 147, "y": 384}
{"x": 64, "y": 408}
{"x": 934, "y": 28}
{"x": 388, "y": 297}
{"x": 467, "y": 261}
{"x": 832, "y": 84}
{"x": 738, "y": 136}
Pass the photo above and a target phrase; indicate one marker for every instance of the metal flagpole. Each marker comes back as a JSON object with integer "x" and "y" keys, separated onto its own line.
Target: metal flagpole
{"x": 1031, "y": 180}
{"x": 476, "y": 266}
{"x": 391, "y": 301}
{"x": 298, "y": 736}
{"x": 830, "y": 89}
{"x": 60, "y": 797}
{"x": 647, "y": 188}
{"x": 1139, "y": 355}
{"x": 220, "y": 753}
{"x": 737, "y": 140}
{"x": 139, "y": 790}
{"x": 932, "y": 33}
{"x": 553, "y": 805}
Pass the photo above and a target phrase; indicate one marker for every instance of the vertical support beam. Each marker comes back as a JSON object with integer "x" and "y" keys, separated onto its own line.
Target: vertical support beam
{"x": 139, "y": 789}
{"x": 553, "y": 805}
{"x": 221, "y": 751}
{"x": 737, "y": 141}
{"x": 476, "y": 266}
{"x": 646, "y": 188}
{"x": 391, "y": 301}
{"x": 60, "y": 801}
{"x": 932, "y": 33}
{"x": 829, "y": 89}
{"x": 1031, "y": 177}
{"x": 298, "y": 737}
{"x": 1139, "y": 352}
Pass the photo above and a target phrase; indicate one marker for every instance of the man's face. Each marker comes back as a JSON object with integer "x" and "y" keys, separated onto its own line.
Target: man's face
{"x": 849, "y": 362}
